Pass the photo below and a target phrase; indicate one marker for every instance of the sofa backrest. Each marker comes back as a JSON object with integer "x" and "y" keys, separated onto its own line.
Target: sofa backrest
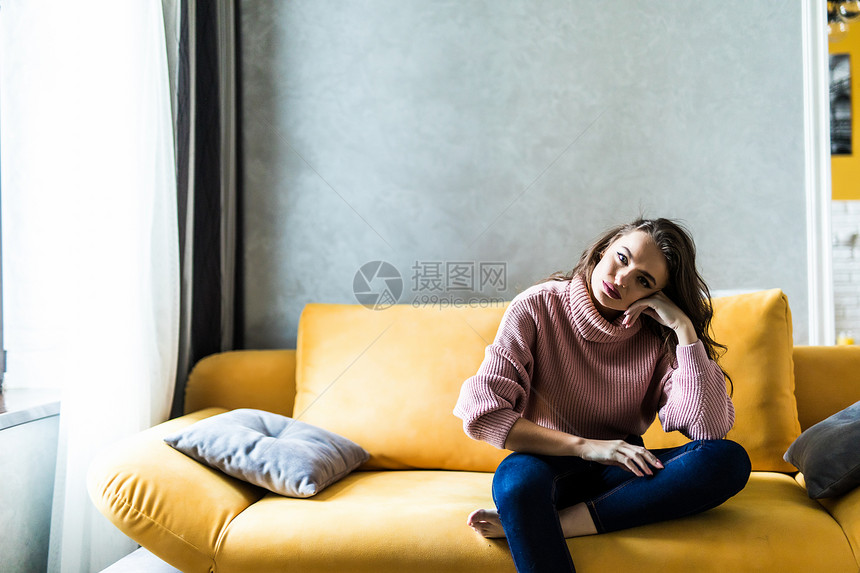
{"x": 389, "y": 379}
{"x": 827, "y": 380}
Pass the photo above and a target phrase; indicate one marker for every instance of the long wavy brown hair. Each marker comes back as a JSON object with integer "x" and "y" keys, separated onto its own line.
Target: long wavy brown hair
{"x": 686, "y": 287}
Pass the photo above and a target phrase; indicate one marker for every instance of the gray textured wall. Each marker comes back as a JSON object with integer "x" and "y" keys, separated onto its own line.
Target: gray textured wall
{"x": 450, "y": 131}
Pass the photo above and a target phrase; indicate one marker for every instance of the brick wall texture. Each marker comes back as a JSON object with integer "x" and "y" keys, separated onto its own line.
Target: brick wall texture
{"x": 846, "y": 267}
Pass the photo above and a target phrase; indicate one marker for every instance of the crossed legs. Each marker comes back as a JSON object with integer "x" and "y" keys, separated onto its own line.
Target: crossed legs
{"x": 541, "y": 500}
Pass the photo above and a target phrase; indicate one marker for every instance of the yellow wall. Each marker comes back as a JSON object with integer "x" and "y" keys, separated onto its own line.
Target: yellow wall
{"x": 846, "y": 168}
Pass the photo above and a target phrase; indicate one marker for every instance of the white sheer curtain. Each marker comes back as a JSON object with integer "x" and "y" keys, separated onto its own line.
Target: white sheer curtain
{"x": 93, "y": 190}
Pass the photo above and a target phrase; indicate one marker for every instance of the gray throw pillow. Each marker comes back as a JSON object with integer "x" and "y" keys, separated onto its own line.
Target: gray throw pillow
{"x": 281, "y": 454}
{"x": 828, "y": 454}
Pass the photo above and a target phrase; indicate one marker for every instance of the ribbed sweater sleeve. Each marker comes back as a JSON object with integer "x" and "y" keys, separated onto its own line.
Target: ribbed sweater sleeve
{"x": 493, "y": 400}
{"x": 694, "y": 396}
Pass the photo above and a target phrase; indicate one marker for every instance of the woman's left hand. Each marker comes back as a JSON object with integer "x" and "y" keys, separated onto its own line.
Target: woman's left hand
{"x": 661, "y": 308}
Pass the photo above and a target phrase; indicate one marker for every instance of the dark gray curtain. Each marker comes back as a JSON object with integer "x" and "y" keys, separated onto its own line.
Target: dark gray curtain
{"x": 205, "y": 106}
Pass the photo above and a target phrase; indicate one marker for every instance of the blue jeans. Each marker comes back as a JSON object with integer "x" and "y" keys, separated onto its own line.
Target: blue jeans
{"x": 529, "y": 490}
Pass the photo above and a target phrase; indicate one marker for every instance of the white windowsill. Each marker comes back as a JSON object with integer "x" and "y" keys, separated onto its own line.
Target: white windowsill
{"x": 22, "y": 405}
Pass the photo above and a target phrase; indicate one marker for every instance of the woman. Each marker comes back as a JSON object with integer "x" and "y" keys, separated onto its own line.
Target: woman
{"x": 580, "y": 367}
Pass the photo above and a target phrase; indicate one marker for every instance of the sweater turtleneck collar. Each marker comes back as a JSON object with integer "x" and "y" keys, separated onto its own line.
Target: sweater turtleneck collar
{"x": 589, "y": 322}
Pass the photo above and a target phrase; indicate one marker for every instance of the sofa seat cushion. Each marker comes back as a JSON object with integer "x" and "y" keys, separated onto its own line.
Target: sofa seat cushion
{"x": 371, "y": 521}
{"x": 394, "y": 521}
{"x": 770, "y": 526}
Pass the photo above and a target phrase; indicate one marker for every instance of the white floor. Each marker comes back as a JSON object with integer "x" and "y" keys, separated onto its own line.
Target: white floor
{"x": 141, "y": 561}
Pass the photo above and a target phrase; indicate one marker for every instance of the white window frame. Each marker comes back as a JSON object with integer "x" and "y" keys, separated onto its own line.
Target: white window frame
{"x": 818, "y": 188}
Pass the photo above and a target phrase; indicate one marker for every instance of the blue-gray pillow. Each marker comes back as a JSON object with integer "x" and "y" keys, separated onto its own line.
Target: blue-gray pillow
{"x": 828, "y": 454}
{"x": 275, "y": 452}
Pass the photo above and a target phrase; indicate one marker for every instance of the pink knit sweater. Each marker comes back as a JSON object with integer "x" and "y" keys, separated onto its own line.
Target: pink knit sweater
{"x": 557, "y": 362}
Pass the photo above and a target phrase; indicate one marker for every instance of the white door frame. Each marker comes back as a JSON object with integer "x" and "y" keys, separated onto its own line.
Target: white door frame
{"x": 818, "y": 190}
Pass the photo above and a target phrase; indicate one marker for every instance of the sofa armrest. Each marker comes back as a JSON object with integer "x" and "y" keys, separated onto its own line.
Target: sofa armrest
{"x": 169, "y": 503}
{"x": 260, "y": 379}
{"x": 846, "y": 511}
{"x": 826, "y": 380}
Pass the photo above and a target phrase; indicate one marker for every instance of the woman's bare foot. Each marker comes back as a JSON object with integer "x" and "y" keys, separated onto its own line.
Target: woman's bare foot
{"x": 575, "y": 522}
{"x": 486, "y": 522}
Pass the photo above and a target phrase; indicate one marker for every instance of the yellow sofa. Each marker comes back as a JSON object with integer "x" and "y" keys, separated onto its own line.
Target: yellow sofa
{"x": 389, "y": 379}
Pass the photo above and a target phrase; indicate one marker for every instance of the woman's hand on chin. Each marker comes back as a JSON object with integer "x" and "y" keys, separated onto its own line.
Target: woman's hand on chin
{"x": 661, "y": 308}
